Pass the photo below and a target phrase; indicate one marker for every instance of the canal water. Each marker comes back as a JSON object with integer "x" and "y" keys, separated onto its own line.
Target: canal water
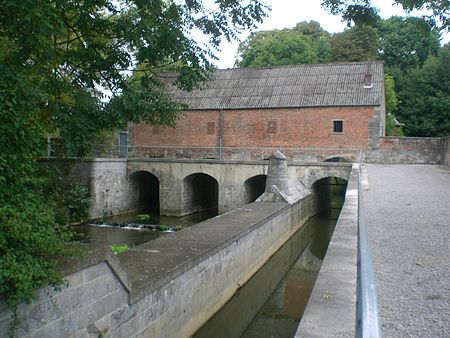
{"x": 131, "y": 230}
{"x": 272, "y": 302}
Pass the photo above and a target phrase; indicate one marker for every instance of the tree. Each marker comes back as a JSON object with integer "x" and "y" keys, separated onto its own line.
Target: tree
{"x": 407, "y": 42}
{"x": 424, "y": 100}
{"x": 391, "y": 107}
{"x": 359, "y": 43}
{"x": 57, "y": 58}
{"x": 361, "y": 11}
{"x": 276, "y": 48}
{"x": 306, "y": 43}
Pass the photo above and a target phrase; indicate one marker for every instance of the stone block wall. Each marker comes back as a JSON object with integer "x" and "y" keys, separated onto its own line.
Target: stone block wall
{"x": 109, "y": 187}
{"x": 407, "y": 150}
{"x": 107, "y": 298}
{"x": 446, "y": 152}
{"x": 106, "y": 180}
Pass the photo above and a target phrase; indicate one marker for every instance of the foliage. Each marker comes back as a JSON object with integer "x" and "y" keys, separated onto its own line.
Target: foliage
{"x": 276, "y": 48}
{"x": 143, "y": 217}
{"x": 359, "y": 43}
{"x": 306, "y": 43}
{"x": 361, "y": 11}
{"x": 391, "y": 96}
{"x": 163, "y": 228}
{"x": 118, "y": 248}
{"x": 392, "y": 129}
{"x": 58, "y": 58}
{"x": 77, "y": 200}
{"x": 406, "y": 43}
{"x": 424, "y": 99}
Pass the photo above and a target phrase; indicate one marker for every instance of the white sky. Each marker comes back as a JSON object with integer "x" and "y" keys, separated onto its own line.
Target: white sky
{"x": 286, "y": 13}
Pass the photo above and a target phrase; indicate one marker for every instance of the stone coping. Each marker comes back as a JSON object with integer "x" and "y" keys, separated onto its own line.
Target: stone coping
{"x": 155, "y": 263}
{"x": 152, "y": 264}
{"x": 264, "y": 162}
{"x": 331, "y": 309}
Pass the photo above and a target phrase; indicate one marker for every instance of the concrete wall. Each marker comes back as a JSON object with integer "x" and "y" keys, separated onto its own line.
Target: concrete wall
{"x": 164, "y": 288}
{"x": 407, "y": 150}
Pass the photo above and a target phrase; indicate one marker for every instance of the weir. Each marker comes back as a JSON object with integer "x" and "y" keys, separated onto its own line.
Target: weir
{"x": 171, "y": 286}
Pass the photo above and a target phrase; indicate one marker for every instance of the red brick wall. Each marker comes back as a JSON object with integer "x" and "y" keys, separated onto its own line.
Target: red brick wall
{"x": 191, "y": 130}
{"x": 299, "y": 127}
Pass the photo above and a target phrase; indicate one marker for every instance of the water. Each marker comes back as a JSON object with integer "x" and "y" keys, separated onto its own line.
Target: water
{"x": 282, "y": 312}
{"x": 117, "y": 230}
{"x": 272, "y": 302}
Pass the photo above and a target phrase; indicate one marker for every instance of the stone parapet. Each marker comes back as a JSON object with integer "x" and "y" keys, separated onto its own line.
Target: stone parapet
{"x": 407, "y": 150}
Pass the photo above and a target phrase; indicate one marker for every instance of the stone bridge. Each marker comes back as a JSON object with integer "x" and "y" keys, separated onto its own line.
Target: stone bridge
{"x": 183, "y": 186}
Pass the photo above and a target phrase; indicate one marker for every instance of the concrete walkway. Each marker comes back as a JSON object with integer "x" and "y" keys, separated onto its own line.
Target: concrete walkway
{"x": 408, "y": 214}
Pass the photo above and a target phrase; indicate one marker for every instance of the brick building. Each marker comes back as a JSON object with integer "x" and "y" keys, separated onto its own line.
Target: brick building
{"x": 311, "y": 112}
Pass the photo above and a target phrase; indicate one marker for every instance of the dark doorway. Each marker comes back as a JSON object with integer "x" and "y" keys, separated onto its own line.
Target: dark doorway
{"x": 145, "y": 191}
{"x": 200, "y": 193}
{"x": 254, "y": 187}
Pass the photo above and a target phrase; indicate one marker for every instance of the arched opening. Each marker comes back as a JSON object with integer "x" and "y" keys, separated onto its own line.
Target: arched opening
{"x": 200, "y": 194}
{"x": 329, "y": 193}
{"x": 144, "y": 187}
{"x": 254, "y": 187}
{"x": 337, "y": 159}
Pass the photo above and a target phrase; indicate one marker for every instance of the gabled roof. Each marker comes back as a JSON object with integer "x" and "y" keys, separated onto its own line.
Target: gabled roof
{"x": 334, "y": 84}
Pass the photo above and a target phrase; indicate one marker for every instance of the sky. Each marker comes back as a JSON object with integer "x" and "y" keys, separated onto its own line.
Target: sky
{"x": 286, "y": 13}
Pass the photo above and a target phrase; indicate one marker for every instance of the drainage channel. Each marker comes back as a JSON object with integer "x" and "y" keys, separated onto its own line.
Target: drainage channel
{"x": 272, "y": 302}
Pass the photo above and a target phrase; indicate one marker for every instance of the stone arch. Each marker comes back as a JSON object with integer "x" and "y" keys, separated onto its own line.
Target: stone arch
{"x": 144, "y": 191}
{"x": 200, "y": 192}
{"x": 329, "y": 192}
{"x": 314, "y": 176}
{"x": 254, "y": 187}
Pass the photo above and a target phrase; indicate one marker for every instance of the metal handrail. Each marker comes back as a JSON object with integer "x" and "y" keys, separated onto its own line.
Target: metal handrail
{"x": 132, "y": 151}
{"x": 367, "y": 322}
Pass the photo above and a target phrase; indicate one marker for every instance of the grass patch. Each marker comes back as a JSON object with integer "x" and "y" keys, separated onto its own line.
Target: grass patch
{"x": 118, "y": 248}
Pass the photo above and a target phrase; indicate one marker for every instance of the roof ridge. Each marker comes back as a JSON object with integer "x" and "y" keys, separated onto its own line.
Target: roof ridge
{"x": 299, "y": 65}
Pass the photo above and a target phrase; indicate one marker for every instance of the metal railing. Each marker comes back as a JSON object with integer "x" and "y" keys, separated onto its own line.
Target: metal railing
{"x": 219, "y": 153}
{"x": 367, "y": 322}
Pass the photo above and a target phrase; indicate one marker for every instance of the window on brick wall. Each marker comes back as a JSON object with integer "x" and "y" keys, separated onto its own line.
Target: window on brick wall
{"x": 272, "y": 127}
{"x": 338, "y": 126}
{"x": 210, "y": 128}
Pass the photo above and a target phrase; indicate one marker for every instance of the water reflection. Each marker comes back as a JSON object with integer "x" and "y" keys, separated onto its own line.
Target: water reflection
{"x": 282, "y": 312}
{"x": 266, "y": 307}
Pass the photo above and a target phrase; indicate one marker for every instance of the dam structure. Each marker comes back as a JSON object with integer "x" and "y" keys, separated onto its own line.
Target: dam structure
{"x": 171, "y": 286}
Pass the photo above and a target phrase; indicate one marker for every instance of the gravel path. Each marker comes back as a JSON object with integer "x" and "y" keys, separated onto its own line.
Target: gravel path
{"x": 408, "y": 215}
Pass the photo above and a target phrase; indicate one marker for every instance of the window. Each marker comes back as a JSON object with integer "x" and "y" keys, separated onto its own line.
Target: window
{"x": 338, "y": 126}
{"x": 272, "y": 127}
{"x": 210, "y": 128}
